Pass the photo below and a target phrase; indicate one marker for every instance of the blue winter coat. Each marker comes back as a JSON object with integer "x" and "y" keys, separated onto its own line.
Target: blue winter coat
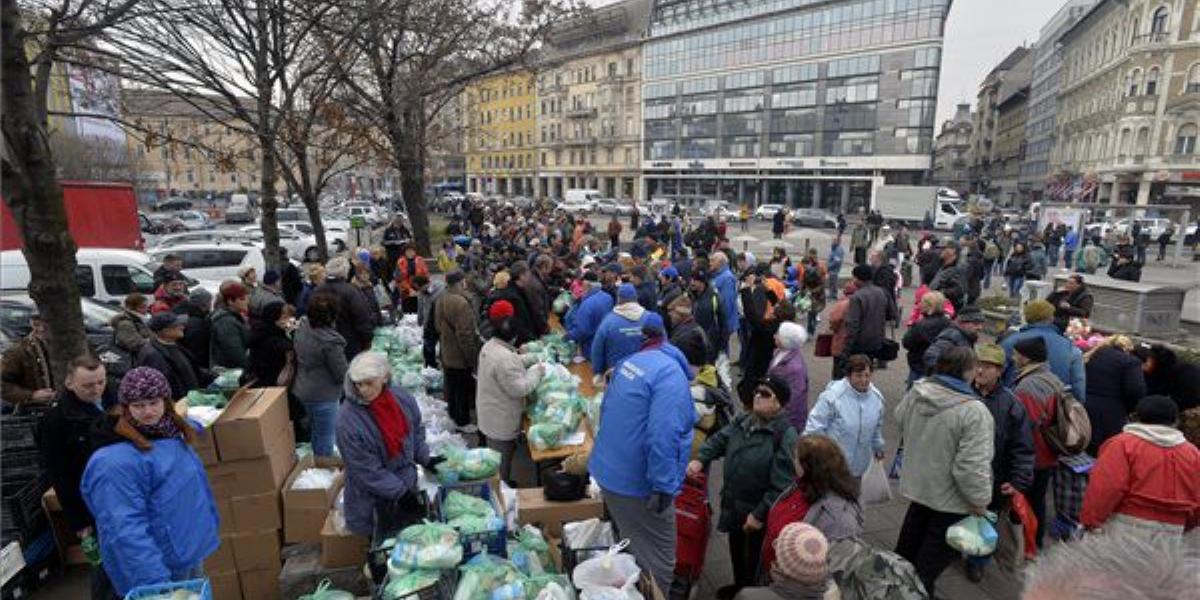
{"x": 645, "y": 434}
{"x": 619, "y": 337}
{"x": 370, "y": 475}
{"x": 587, "y": 318}
{"x": 155, "y": 514}
{"x": 852, "y": 419}
{"x": 726, "y": 286}
{"x": 1065, "y": 360}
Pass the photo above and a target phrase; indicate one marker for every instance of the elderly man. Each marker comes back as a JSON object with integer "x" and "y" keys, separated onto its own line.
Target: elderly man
{"x": 1073, "y": 301}
{"x": 1065, "y": 360}
{"x": 25, "y": 368}
{"x": 949, "y": 279}
{"x": 641, "y": 451}
{"x": 170, "y": 294}
{"x": 725, "y": 286}
{"x": 171, "y": 263}
{"x": 270, "y": 292}
{"x": 454, "y": 318}
{"x": 164, "y": 354}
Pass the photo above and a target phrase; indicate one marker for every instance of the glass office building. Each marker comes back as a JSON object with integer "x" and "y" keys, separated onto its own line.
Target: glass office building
{"x": 797, "y": 102}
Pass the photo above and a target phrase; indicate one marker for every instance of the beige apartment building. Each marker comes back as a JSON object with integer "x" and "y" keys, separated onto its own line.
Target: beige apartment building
{"x": 1129, "y": 109}
{"x": 589, "y": 103}
{"x": 987, "y": 166}
{"x": 952, "y": 151}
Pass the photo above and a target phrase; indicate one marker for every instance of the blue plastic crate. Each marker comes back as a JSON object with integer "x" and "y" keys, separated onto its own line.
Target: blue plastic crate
{"x": 492, "y": 542}
{"x": 199, "y": 586}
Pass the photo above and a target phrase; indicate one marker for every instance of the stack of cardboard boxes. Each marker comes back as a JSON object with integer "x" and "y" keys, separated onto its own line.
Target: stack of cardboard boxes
{"x": 249, "y": 451}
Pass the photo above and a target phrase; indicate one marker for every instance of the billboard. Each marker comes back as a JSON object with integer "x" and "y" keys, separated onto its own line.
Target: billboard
{"x": 98, "y": 93}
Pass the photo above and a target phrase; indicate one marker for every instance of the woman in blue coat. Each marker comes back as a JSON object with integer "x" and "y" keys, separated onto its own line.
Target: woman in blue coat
{"x": 156, "y": 520}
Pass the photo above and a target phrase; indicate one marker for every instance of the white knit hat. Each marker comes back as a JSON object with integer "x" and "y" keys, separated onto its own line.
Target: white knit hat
{"x": 800, "y": 553}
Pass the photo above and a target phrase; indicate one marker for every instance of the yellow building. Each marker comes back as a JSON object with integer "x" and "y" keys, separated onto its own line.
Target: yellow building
{"x": 501, "y": 148}
{"x": 179, "y": 150}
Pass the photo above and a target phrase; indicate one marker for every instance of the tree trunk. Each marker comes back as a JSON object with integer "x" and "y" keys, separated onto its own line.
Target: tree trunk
{"x": 408, "y": 141}
{"x": 313, "y": 204}
{"x": 35, "y": 199}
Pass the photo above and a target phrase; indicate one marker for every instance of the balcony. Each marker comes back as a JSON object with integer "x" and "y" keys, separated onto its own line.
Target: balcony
{"x": 1154, "y": 37}
{"x": 581, "y": 113}
{"x": 586, "y": 140}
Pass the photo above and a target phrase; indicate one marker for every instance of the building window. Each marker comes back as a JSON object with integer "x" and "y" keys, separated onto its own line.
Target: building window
{"x": 1158, "y": 25}
{"x": 1152, "y": 81}
{"x": 1134, "y": 82}
{"x": 1193, "y": 80}
{"x": 1185, "y": 140}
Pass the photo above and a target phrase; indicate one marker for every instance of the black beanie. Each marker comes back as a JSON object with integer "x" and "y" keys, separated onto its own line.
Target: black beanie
{"x": 1157, "y": 410}
{"x": 863, "y": 272}
{"x": 783, "y": 391}
{"x": 1033, "y": 348}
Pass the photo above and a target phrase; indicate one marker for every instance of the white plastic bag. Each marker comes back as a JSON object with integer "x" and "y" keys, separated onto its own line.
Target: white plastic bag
{"x": 588, "y": 534}
{"x": 612, "y": 576}
{"x": 315, "y": 479}
{"x": 974, "y": 536}
{"x": 875, "y": 489}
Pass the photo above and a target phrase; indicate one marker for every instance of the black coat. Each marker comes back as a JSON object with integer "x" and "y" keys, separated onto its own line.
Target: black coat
{"x": 197, "y": 334}
{"x": 1114, "y": 386}
{"x": 918, "y": 338}
{"x": 269, "y": 347}
{"x": 521, "y": 322}
{"x": 1129, "y": 271}
{"x": 175, "y": 363}
{"x": 1012, "y": 460}
{"x": 706, "y": 307}
{"x": 1180, "y": 381}
{"x": 64, "y": 442}
{"x": 1080, "y": 306}
{"x": 354, "y": 321}
{"x": 950, "y": 337}
{"x": 689, "y": 337}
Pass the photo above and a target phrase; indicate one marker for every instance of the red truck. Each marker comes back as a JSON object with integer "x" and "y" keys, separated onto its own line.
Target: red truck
{"x": 100, "y": 214}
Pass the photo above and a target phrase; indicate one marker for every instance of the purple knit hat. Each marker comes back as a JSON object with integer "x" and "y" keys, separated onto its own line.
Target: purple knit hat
{"x": 143, "y": 383}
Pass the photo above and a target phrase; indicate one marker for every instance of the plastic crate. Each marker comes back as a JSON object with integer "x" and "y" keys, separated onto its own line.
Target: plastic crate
{"x": 377, "y": 556}
{"x": 21, "y": 514}
{"x": 444, "y": 589}
{"x": 199, "y": 586}
{"x": 19, "y": 466}
{"x": 18, "y": 433}
{"x": 492, "y": 542}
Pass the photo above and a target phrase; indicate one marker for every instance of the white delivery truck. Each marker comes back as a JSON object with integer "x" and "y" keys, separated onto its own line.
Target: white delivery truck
{"x": 911, "y": 204}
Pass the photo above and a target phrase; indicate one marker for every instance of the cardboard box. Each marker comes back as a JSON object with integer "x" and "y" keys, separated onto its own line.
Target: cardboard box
{"x": 257, "y": 512}
{"x": 305, "y": 510}
{"x": 533, "y": 508}
{"x": 225, "y": 585}
{"x": 249, "y": 425}
{"x": 221, "y": 561}
{"x": 255, "y": 476}
{"x": 224, "y": 514}
{"x": 205, "y": 446}
{"x": 341, "y": 549}
{"x": 256, "y": 550}
{"x": 262, "y": 584}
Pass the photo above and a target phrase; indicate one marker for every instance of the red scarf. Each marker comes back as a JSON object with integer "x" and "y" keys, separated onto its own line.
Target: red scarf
{"x": 390, "y": 420}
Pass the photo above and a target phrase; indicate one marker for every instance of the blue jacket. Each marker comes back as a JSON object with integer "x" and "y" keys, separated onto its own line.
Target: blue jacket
{"x": 645, "y": 434}
{"x": 585, "y": 321}
{"x": 155, "y": 514}
{"x": 1065, "y": 360}
{"x": 726, "y": 286}
{"x": 619, "y": 336}
{"x": 370, "y": 475}
{"x": 852, "y": 419}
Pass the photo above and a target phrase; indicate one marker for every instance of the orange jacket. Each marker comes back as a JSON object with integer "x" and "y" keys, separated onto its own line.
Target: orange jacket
{"x": 404, "y": 278}
{"x": 1145, "y": 480}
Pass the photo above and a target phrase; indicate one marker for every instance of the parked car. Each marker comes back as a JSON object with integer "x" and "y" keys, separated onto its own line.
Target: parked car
{"x": 217, "y": 261}
{"x": 721, "y": 210}
{"x": 299, "y": 246}
{"x": 766, "y": 212}
{"x": 198, "y": 237}
{"x": 17, "y": 307}
{"x": 577, "y": 206}
{"x": 105, "y": 274}
{"x": 167, "y": 223}
{"x": 374, "y": 215}
{"x": 240, "y": 209}
{"x": 814, "y": 217}
{"x": 171, "y": 204}
{"x": 194, "y": 220}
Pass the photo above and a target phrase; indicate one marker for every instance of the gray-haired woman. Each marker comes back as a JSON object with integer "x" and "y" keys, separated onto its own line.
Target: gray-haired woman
{"x": 382, "y": 440}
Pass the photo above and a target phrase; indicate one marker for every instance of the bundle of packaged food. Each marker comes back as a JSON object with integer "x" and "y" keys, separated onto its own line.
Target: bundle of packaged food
{"x": 530, "y": 552}
{"x": 470, "y": 514}
{"x": 227, "y": 379}
{"x": 424, "y": 546}
{"x": 551, "y": 348}
{"x": 557, "y": 408}
{"x": 468, "y": 465}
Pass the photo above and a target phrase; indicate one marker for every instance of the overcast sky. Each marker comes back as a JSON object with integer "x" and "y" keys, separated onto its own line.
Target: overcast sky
{"x": 979, "y": 34}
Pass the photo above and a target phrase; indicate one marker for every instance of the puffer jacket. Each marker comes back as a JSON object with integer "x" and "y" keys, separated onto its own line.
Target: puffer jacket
{"x": 919, "y": 337}
{"x": 644, "y": 437}
{"x": 949, "y": 443}
{"x": 586, "y": 319}
{"x": 229, "y": 333}
{"x": 320, "y": 363}
{"x": 502, "y": 386}
{"x": 758, "y": 466}
{"x": 950, "y": 337}
{"x": 154, "y": 511}
{"x": 1147, "y": 472}
{"x": 620, "y": 335}
{"x": 692, "y": 341}
{"x": 851, "y": 418}
{"x": 129, "y": 331}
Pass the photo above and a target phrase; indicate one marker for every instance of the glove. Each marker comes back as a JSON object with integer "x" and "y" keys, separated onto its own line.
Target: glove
{"x": 658, "y": 502}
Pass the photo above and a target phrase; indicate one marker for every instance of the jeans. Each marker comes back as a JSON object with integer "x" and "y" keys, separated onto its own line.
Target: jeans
{"x": 323, "y": 420}
{"x": 922, "y": 542}
{"x": 1014, "y": 286}
{"x": 1068, "y": 254}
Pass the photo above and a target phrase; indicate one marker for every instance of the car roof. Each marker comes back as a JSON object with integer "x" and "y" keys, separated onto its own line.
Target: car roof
{"x": 239, "y": 245}
{"x": 99, "y": 253}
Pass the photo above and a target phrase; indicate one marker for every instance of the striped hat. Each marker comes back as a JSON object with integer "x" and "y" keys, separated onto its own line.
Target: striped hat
{"x": 800, "y": 553}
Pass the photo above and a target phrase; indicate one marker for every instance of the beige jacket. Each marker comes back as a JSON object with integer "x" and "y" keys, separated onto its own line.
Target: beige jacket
{"x": 501, "y": 388}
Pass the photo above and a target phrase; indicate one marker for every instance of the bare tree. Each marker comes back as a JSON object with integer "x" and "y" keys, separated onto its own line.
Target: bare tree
{"x": 28, "y": 168}
{"x": 403, "y": 61}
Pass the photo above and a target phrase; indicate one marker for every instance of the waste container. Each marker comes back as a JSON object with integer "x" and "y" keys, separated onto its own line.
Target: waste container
{"x": 1147, "y": 309}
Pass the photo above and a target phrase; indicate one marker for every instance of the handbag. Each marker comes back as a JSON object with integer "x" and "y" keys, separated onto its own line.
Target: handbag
{"x": 561, "y": 486}
{"x": 824, "y": 347}
{"x": 888, "y": 351}
{"x": 287, "y": 374}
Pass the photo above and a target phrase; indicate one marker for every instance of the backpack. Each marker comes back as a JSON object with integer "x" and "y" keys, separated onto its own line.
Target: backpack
{"x": 1069, "y": 430}
{"x": 863, "y": 572}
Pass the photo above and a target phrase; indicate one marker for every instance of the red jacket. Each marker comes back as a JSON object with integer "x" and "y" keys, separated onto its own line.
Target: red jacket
{"x": 404, "y": 277}
{"x": 1147, "y": 472}
{"x": 790, "y": 507}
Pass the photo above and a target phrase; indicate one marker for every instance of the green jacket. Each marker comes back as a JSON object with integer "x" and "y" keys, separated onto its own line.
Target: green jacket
{"x": 228, "y": 343}
{"x": 758, "y": 466}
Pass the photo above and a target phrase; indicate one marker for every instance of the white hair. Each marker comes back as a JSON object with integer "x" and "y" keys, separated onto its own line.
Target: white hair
{"x": 369, "y": 365}
{"x": 791, "y": 335}
{"x": 338, "y": 267}
{"x": 1111, "y": 566}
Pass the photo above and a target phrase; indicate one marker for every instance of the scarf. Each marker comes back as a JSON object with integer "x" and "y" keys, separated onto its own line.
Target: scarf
{"x": 165, "y": 428}
{"x": 390, "y": 420}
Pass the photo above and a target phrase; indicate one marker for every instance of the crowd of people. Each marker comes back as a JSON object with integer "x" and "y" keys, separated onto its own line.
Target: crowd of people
{"x": 982, "y": 421}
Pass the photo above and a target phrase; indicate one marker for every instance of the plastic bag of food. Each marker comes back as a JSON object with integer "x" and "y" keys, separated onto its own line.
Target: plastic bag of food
{"x": 409, "y": 583}
{"x": 469, "y": 524}
{"x": 610, "y": 575}
{"x": 228, "y": 379}
{"x": 425, "y": 546}
{"x": 458, "y": 504}
{"x": 315, "y": 479}
{"x": 468, "y": 465}
{"x": 549, "y": 587}
{"x": 543, "y": 436}
{"x": 326, "y": 591}
{"x": 483, "y": 575}
{"x": 974, "y": 535}
{"x": 590, "y": 533}
{"x": 197, "y": 398}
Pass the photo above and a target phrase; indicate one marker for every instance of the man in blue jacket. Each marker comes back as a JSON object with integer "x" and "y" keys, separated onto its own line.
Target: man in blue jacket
{"x": 620, "y": 333}
{"x": 1065, "y": 360}
{"x": 726, "y": 287}
{"x": 641, "y": 451}
{"x": 584, "y": 321}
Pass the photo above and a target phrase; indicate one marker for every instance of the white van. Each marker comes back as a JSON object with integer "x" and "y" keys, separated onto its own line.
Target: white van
{"x": 104, "y": 274}
{"x": 239, "y": 210}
